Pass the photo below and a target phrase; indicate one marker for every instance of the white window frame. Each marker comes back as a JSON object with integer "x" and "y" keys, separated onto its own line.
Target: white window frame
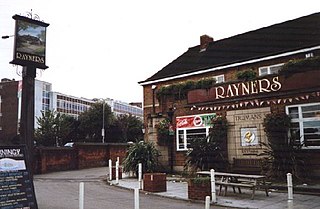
{"x": 185, "y": 144}
{"x": 217, "y": 78}
{"x": 268, "y": 68}
{"x": 300, "y": 120}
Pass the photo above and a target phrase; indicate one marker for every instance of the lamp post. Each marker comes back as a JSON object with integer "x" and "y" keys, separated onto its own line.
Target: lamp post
{"x": 102, "y": 130}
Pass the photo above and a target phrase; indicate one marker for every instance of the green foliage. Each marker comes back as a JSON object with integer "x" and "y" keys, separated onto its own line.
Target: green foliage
{"x": 144, "y": 153}
{"x": 128, "y": 128}
{"x": 91, "y": 121}
{"x": 54, "y": 129}
{"x": 163, "y": 127}
{"x": 282, "y": 156}
{"x": 210, "y": 152}
{"x": 246, "y": 75}
{"x": 300, "y": 66}
{"x": 181, "y": 89}
{"x": 201, "y": 180}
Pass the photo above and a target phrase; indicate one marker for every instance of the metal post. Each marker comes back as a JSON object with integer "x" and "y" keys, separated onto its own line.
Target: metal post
{"x": 290, "y": 189}
{"x": 117, "y": 172}
{"x": 207, "y": 204}
{"x": 27, "y": 112}
{"x": 102, "y": 130}
{"x": 213, "y": 186}
{"x": 110, "y": 169}
{"x": 136, "y": 199}
{"x": 81, "y": 195}
{"x": 140, "y": 175}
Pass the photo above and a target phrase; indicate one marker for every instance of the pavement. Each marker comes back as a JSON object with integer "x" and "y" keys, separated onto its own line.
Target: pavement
{"x": 177, "y": 188}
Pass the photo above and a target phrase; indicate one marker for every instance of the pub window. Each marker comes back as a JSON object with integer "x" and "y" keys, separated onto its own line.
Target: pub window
{"x": 272, "y": 69}
{"x": 185, "y": 135}
{"x": 219, "y": 78}
{"x": 305, "y": 124}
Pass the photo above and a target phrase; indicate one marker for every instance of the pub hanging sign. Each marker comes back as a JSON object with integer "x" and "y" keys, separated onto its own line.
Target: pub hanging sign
{"x": 30, "y": 42}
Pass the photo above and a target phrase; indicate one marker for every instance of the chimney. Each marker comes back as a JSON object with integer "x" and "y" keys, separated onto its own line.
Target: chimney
{"x": 204, "y": 42}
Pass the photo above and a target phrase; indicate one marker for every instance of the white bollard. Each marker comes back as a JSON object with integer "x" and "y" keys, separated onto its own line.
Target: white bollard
{"x": 213, "y": 186}
{"x": 136, "y": 198}
{"x": 207, "y": 204}
{"x": 81, "y": 195}
{"x": 140, "y": 175}
{"x": 117, "y": 172}
{"x": 290, "y": 187}
{"x": 110, "y": 169}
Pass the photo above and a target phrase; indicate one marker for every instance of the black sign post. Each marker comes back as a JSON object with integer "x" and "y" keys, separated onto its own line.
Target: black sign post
{"x": 29, "y": 52}
{"x": 16, "y": 186}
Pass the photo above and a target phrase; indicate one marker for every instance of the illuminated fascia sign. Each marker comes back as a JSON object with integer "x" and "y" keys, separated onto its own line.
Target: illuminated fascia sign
{"x": 264, "y": 85}
{"x": 195, "y": 121}
{"x": 30, "y": 42}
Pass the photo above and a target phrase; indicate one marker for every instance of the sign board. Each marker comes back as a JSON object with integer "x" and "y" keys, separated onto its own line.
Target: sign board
{"x": 16, "y": 186}
{"x": 30, "y": 42}
{"x": 195, "y": 121}
{"x": 249, "y": 136}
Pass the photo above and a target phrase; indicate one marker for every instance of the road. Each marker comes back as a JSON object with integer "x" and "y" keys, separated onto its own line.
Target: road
{"x": 56, "y": 192}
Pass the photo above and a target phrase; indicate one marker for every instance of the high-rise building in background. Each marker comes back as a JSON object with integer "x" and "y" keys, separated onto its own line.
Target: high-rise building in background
{"x": 46, "y": 99}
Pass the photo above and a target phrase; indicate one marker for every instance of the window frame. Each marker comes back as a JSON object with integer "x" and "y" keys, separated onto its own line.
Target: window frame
{"x": 185, "y": 142}
{"x": 300, "y": 120}
{"x": 217, "y": 76}
{"x": 268, "y": 67}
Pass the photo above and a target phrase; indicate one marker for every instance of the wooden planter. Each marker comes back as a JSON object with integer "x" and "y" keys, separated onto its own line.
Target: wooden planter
{"x": 155, "y": 182}
{"x": 198, "y": 191}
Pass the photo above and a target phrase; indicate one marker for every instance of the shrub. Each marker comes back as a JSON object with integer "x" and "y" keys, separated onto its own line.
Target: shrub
{"x": 144, "y": 153}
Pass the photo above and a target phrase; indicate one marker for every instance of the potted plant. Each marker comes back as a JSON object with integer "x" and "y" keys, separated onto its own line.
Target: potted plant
{"x": 163, "y": 131}
{"x": 146, "y": 154}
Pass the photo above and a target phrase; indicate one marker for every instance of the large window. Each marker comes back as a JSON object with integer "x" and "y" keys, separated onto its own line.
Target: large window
{"x": 305, "y": 124}
{"x": 185, "y": 135}
{"x": 192, "y": 127}
{"x": 272, "y": 69}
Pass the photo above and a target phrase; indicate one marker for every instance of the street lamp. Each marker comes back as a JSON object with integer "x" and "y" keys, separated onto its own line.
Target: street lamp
{"x": 102, "y": 130}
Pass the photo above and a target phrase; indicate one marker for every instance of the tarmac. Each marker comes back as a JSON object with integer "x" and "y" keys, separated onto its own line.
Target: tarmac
{"x": 177, "y": 188}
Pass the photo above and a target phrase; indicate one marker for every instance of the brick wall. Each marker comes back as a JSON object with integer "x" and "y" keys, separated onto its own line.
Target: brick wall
{"x": 82, "y": 155}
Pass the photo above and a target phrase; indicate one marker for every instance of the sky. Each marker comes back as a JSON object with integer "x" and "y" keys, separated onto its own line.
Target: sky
{"x": 102, "y": 49}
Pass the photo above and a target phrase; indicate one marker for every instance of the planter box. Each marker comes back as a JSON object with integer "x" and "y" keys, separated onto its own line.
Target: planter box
{"x": 155, "y": 182}
{"x": 114, "y": 172}
{"x": 198, "y": 191}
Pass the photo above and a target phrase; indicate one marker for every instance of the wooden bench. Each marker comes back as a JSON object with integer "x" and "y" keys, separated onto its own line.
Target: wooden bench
{"x": 247, "y": 165}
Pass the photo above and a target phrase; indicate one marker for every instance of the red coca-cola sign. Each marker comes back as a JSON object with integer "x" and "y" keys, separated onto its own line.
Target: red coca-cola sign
{"x": 195, "y": 121}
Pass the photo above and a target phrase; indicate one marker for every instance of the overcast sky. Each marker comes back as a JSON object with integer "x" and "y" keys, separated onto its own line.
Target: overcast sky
{"x": 100, "y": 49}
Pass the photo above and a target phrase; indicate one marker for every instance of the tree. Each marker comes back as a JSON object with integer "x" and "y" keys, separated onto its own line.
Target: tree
{"x": 54, "y": 128}
{"x": 91, "y": 121}
{"x": 127, "y": 128}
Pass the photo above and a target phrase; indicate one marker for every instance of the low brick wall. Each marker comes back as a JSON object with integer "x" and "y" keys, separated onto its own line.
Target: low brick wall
{"x": 82, "y": 155}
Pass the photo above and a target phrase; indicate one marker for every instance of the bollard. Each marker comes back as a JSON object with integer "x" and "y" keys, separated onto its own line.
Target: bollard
{"x": 290, "y": 187}
{"x": 213, "y": 186}
{"x": 81, "y": 195}
{"x": 136, "y": 198}
{"x": 110, "y": 169}
{"x": 207, "y": 204}
{"x": 117, "y": 172}
{"x": 140, "y": 175}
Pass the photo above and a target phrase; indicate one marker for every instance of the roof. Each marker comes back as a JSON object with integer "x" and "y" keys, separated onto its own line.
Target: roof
{"x": 300, "y": 33}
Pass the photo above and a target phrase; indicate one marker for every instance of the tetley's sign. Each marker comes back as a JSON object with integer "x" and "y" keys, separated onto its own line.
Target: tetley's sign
{"x": 233, "y": 90}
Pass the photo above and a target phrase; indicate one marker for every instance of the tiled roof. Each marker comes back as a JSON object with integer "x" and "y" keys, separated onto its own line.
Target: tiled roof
{"x": 284, "y": 37}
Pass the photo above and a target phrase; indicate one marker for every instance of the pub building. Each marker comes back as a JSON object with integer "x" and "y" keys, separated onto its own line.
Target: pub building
{"x": 244, "y": 101}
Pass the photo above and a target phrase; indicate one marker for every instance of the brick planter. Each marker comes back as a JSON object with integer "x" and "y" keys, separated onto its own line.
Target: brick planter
{"x": 198, "y": 191}
{"x": 155, "y": 182}
{"x": 114, "y": 172}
